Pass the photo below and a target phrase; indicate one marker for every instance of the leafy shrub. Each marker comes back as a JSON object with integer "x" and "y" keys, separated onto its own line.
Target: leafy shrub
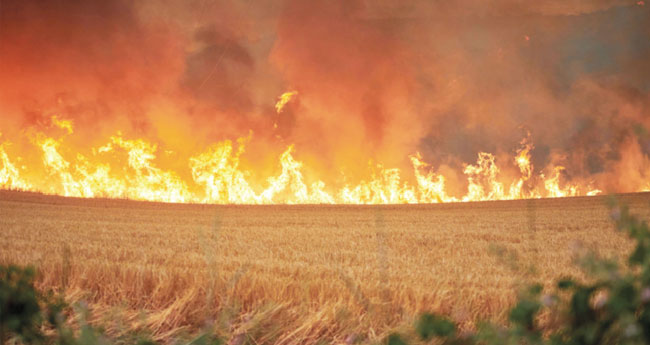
{"x": 19, "y": 310}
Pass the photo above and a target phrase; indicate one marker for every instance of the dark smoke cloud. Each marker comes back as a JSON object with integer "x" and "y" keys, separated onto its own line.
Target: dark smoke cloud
{"x": 219, "y": 71}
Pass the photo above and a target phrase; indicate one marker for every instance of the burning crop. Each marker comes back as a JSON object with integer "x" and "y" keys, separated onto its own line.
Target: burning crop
{"x": 345, "y": 102}
{"x": 128, "y": 168}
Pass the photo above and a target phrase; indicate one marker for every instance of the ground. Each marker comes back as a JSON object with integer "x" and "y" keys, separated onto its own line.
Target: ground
{"x": 281, "y": 273}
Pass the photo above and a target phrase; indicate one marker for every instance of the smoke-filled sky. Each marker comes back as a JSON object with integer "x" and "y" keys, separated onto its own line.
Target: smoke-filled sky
{"x": 376, "y": 79}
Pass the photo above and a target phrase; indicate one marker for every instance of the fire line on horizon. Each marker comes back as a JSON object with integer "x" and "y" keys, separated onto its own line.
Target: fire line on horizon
{"x": 344, "y": 102}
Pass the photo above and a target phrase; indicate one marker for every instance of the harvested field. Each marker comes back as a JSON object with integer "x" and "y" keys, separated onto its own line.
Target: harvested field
{"x": 283, "y": 273}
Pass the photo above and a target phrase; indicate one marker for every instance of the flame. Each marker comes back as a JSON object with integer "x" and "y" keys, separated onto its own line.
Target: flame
{"x": 217, "y": 170}
{"x": 129, "y": 168}
{"x": 55, "y": 164}
{"x": 284, "y": 99}
{"x": 594, "y": 192}
{"x": 383, "y": 188}
{"x": 552, "y": 185}
{"x": 481, "y": 177}
{"x": 148, "y": 182}
{"x": 62, "y": 124}
{"x": 522, "y": 160}
{"x": 431, "y": 185}
{"x": 291, "y": 180}
{"x": 9, "y": 174}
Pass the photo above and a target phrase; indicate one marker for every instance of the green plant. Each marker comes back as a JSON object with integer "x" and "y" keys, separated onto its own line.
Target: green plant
{"x": 20, "y": 313}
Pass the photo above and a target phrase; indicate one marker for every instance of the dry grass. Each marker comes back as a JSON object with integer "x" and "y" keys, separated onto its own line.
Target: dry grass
{"x": 298, "y": 274}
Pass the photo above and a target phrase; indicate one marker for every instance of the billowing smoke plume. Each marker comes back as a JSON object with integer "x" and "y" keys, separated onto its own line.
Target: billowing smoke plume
{"x": 376, "y": 81}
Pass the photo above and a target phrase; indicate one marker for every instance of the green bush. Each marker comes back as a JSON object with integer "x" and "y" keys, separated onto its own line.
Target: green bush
{"x": 20, "y": 314}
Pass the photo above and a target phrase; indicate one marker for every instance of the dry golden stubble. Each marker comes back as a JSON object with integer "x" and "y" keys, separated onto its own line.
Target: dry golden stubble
{"x": 280, "y": 273}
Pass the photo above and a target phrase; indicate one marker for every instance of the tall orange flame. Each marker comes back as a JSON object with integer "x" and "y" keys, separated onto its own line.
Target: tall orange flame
{"x": 217, "y": 177}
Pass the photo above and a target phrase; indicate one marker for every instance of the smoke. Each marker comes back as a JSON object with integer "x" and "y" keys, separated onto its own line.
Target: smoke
{"x": 377, "y": 80}
{"x": 355, "y": 76}
{"x": 90, "y": 61}
{"x": 453, "y": 79}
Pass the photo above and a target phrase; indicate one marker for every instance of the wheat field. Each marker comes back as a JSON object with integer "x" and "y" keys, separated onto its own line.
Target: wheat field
{"x": 299, "y": 274}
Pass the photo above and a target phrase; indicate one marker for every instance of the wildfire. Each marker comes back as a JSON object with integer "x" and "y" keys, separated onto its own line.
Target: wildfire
{"x": 217, "y": 176}
{"x": 284, "y": 99}
{"x": 431, "y": 186}
{"x": 62, "y": 124}
{"x": 9, "y": 175}
{"x": 155, "y": 101}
